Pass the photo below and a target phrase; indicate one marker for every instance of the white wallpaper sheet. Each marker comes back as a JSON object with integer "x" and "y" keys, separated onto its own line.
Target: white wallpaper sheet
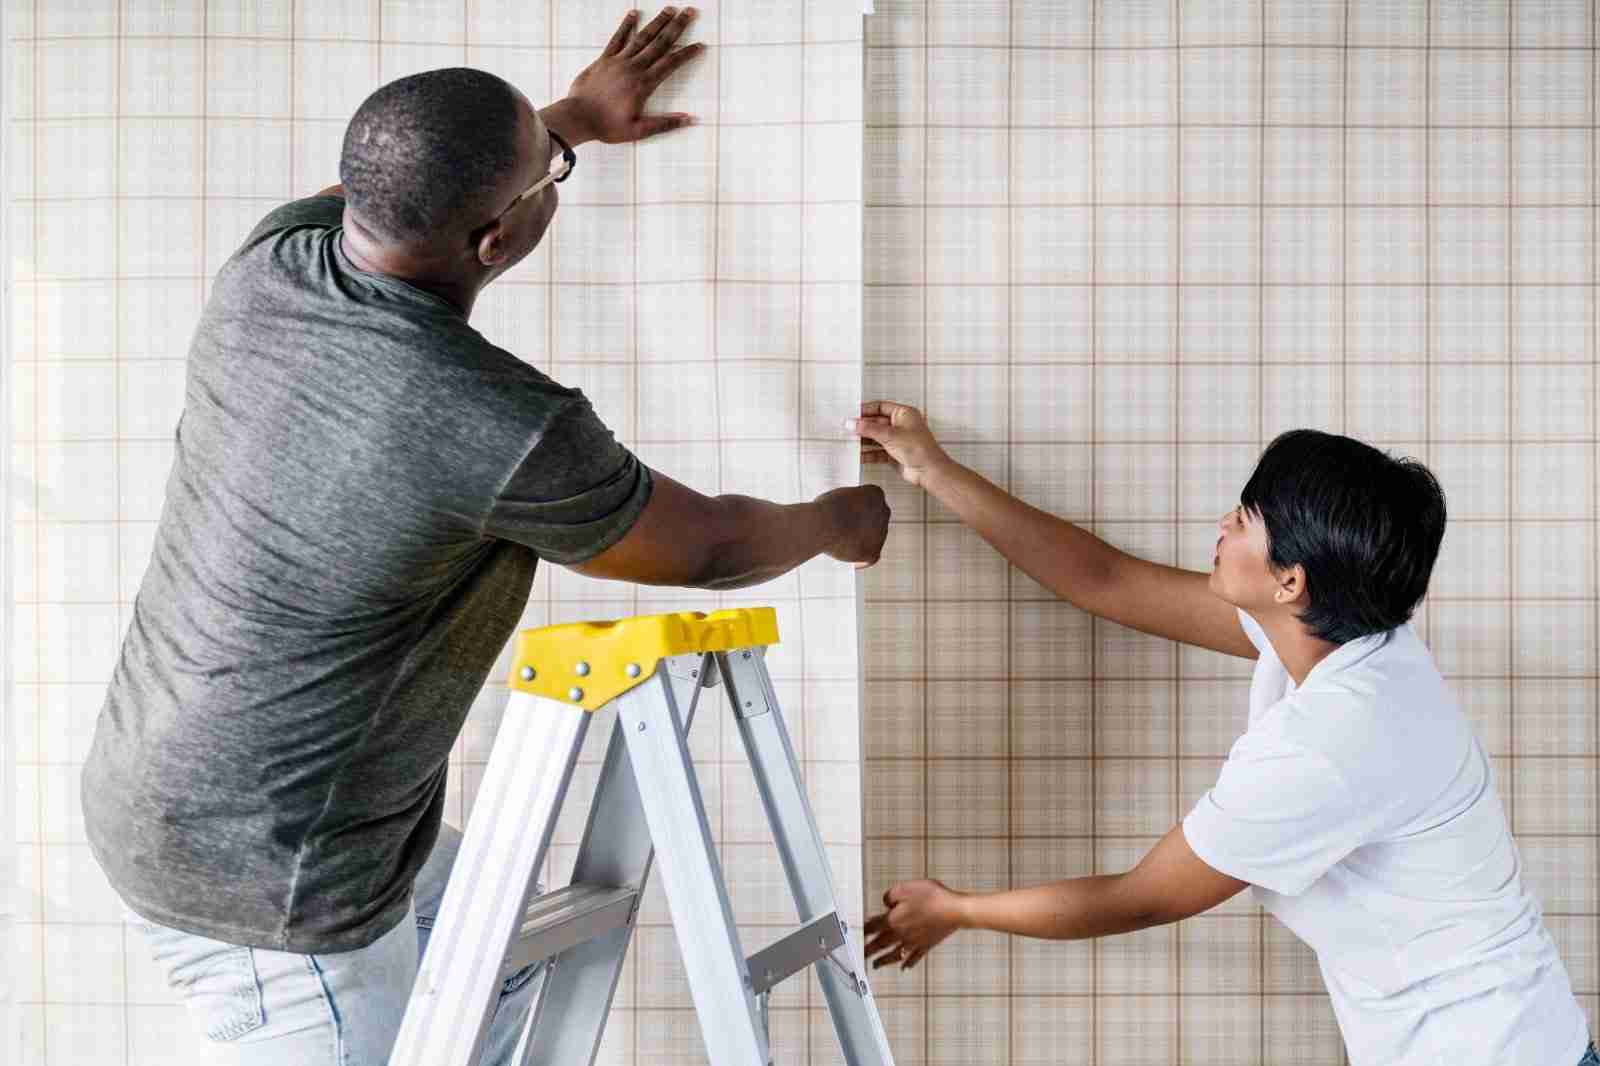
{"x": 703, "y": 289}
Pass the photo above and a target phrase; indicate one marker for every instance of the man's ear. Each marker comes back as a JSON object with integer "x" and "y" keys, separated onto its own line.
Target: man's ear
{"x": 492, "y": 244}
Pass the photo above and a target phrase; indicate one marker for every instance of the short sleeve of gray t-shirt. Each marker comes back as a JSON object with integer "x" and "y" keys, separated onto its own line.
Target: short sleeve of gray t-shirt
{"x": 361, "y": 488}
{"x": 576, "y": 494}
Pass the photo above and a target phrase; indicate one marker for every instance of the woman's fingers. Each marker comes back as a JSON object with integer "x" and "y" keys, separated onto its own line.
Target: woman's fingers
{"x": 871, "y": 428}
{"x": 882, "y": 408}
{"x": 879, "y": 944}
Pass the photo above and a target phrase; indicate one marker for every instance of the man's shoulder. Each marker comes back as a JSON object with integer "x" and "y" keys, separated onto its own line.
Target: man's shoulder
{"x": 322, "y": 212}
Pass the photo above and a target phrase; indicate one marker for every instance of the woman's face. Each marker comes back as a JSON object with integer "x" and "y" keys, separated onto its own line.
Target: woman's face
{"x": 1240, "y": 572}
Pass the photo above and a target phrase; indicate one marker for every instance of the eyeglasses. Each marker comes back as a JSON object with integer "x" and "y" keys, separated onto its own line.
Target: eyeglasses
{"x": 559, "y": 172}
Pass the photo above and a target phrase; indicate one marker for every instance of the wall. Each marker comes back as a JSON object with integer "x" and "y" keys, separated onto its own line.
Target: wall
{"x": 704, "y": 290}
{"x": 8, "y": 756}
{"x": 1114, "y": 248}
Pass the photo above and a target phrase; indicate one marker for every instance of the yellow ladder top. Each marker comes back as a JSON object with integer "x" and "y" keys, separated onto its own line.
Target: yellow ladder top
{"x": 589, "y": 664}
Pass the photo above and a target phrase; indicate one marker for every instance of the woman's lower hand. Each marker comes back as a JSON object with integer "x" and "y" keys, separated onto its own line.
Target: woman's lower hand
{"x": 920, "y": 915}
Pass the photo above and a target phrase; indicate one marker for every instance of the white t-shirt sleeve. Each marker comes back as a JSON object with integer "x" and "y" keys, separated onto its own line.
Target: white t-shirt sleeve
{"x": 1279, "y": 816}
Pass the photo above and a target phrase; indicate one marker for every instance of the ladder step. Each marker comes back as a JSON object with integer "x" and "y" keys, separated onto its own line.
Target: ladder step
{"x": 786, "y": 957}
{"x": 567, "y": 917}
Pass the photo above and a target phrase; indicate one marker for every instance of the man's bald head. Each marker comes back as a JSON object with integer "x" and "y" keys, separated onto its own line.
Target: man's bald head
{"x": 428, "y": 153}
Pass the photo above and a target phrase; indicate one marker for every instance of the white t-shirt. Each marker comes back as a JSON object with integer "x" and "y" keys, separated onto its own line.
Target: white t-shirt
{"x": 1361, "y": 808}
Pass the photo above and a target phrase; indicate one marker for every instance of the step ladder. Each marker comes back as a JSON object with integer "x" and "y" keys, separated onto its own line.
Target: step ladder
{"x": 647, "y": 807}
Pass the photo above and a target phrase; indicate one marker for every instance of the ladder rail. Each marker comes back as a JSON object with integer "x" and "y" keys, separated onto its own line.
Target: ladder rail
{"x": 777, "y": 774}
{"x": 691, "y": 874}
{"x": 580, "y": 984}
{"x": 856, "y": 1023}
{"x": 447, "y": 1018}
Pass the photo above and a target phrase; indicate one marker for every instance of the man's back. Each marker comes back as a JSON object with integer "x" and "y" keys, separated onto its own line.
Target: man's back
{"x": 361, "y": 490}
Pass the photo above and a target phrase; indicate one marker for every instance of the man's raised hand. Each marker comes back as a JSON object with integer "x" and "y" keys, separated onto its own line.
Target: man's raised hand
{"x": 609, "y": 96}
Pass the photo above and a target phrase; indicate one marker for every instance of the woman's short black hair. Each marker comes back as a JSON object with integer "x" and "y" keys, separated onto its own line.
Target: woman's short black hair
{"x": 423, "y": 150}
{"x": 1365, "y": 525}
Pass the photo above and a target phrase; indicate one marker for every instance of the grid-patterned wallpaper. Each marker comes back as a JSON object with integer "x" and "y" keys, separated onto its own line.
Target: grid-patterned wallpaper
{"x": 8, "y": 850}
{"x": 704, "y": 290}
{"x": 1113, "y": 248}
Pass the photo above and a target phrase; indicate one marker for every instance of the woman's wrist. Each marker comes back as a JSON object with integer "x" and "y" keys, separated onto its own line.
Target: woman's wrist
{"x": 967, "y": 910}
{"x": 939, "y": 476}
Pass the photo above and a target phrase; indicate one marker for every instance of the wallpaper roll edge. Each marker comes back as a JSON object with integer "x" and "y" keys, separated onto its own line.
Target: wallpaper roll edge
{"x": 8, "y": 751}
{"x": 860, "y": 584}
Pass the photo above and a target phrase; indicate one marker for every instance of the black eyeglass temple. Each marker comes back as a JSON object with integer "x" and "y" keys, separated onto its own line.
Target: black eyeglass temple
{"x": 567, "y": 154}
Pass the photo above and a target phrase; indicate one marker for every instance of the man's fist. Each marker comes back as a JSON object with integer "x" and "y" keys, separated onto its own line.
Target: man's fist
{"x": 861, "y": 519}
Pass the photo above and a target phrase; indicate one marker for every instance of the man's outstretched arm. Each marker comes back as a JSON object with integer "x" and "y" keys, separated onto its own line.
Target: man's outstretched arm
{"x": 690, "y": 540}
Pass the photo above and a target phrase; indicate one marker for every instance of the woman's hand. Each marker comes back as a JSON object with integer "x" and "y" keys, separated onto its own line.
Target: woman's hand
{"x": 897, "y": 433}
{"x": 921, "y": 914}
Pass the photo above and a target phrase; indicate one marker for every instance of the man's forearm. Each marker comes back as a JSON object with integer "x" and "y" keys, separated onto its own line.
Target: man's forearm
{"x": 1078, "y": 909}
{"x": 764, "y": 540}
{"x": 1070, "y": 561}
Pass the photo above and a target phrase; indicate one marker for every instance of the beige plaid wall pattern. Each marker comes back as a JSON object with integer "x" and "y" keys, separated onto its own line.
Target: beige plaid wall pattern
{"x": 1113, "y": 249}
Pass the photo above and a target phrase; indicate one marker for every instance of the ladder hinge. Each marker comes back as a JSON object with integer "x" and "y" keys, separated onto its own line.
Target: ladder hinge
{"x": 700, "y": 668}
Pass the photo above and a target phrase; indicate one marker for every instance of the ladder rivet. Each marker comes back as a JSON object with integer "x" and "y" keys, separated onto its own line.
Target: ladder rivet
{"x": 527, "y": 673}
{"x": 583, "y": 669}
{"x": 575, "y": 695}
{"x": 747, "y": 655}
{"x": 633, "y": 670}
{"x": 641, "y": 727}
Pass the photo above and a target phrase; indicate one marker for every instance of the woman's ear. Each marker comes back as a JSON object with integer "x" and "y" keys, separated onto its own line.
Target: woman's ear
{"x": 1291, "y": 585}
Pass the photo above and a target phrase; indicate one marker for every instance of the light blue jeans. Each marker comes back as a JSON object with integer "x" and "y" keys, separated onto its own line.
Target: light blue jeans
{"x": 277, "y": 1008}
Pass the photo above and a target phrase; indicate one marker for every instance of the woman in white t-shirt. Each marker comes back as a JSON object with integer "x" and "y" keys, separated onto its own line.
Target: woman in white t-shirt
{"x": 1358, "y": 803}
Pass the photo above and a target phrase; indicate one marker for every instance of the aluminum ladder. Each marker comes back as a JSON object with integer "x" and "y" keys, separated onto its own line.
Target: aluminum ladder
{"x": 647, "y": 808}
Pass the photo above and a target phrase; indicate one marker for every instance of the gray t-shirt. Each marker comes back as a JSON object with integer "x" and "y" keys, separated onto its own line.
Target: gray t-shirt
{"x": 361, "y": 490}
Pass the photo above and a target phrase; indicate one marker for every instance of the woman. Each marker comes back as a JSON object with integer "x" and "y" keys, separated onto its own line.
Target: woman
{"x": 1358, "y": 805}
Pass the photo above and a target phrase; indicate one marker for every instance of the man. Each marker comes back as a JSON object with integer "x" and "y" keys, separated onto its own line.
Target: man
{"x": 362, "y": 489}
